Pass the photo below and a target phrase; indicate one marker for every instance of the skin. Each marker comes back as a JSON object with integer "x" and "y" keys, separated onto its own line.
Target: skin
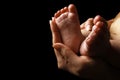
{"x": 82, "y": 66}
{"x": 115, "y": 29}
{"x": 68, "y": 24}
{"x": 89, "y": 64}
{"x": 114, "y": 40}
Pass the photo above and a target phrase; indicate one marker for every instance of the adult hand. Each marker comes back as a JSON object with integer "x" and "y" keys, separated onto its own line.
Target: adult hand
{"x": 82, "y": 66}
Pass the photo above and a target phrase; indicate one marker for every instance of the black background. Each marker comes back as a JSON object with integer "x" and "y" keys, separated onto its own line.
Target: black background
{"x": 32, "y": 55}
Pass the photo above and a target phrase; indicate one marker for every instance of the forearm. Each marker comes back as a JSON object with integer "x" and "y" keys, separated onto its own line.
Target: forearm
{"x": 105, "y": 72}
{"x": 108, "y": 73}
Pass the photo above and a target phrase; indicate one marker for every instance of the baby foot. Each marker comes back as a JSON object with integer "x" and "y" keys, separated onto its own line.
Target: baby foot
{"x": 67, "y": 20}
{"x": 86, "y": 27}
{"x": 97, "y": 42}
